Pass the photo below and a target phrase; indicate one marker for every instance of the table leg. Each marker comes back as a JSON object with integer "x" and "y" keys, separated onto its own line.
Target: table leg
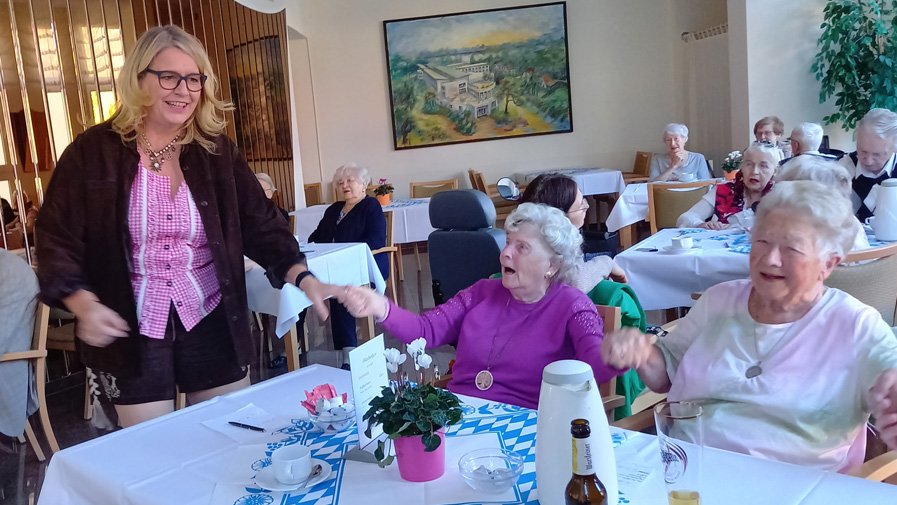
{"x": 627, "y": 236}
{"x": 367, "y": 330}
{"x": 291, "y": 343}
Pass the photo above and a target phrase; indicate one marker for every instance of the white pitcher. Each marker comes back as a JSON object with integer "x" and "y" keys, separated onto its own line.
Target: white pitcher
{"x": 569, "y": 392}
{"x": 884, "y": 223}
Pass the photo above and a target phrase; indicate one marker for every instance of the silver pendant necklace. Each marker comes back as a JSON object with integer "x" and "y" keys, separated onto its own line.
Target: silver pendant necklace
{"x": 756, "y": 369}
{"x": 157, "y": 158}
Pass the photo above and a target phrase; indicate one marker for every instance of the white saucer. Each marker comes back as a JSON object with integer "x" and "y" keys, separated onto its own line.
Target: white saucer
{"x": 265, "y": 478}
{"x": 679, "y": 250}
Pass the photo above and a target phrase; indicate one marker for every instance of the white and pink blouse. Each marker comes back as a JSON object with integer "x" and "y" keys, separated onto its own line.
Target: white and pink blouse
{"x": 172, "y": 263}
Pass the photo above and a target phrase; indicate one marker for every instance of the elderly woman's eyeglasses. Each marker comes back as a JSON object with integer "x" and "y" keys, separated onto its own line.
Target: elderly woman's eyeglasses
{"x": 763, "y": 143}
{"x": 170, "y": 80}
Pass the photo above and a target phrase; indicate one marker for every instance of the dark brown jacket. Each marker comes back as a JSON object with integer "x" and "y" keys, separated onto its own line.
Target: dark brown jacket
{"x": 83, "y": 241}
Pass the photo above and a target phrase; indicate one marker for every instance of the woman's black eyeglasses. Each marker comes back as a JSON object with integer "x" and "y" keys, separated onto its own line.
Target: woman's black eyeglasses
{"x": 171, "y": 80}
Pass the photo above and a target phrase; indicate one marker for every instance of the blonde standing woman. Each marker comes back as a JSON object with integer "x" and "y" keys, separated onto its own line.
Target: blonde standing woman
{"x": 143, "y": 231}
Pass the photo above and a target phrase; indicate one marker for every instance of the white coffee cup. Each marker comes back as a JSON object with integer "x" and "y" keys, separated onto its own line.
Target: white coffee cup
{"x": 292, "y": 464}
{"x": 683, "y": 242}
{"x": 687, "y": 177}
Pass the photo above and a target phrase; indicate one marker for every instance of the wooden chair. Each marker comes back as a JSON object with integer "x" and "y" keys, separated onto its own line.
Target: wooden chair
{"x": 873, "y": 282}
{"x": 641, "y": 170}
{"x": 666, "y": 202}
{"x": 392, "y": 251}
{"x": 314, "y": 194}
{"x": 879, "y": 468}
{"x": 503, "y": 208}
{"x": 38, "y": 354}
{"x": 426, "y": 190}
{"x": 612, "y": 317}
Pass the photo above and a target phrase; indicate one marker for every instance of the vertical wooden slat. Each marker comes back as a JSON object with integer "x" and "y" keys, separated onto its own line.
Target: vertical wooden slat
{"x": 285, "y": 105}
{"x": 79, "y": 78}
{"x": 275, "y": 109}
{"x": 93, "y": 63}
{"x": 252, "y": 74}
{"x": 241, "y": 66}
{"x": 216, "y": 23}
{"x": 43, "y": 85}
{"x": 105, "y": 27}
{"x": 60, "y": 51}
{"x": 139, "y": 18}
{"x": 261, "y": 108}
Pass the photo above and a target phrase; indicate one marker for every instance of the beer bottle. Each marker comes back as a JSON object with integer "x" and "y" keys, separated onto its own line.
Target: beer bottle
{"x": 584, "y": 487}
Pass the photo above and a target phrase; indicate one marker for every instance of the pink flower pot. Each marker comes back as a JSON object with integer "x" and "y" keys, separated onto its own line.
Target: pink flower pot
{"x": 416, "y": 465}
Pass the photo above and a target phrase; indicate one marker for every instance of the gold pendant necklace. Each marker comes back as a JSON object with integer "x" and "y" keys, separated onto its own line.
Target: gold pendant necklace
{"x": 157, "y": 158}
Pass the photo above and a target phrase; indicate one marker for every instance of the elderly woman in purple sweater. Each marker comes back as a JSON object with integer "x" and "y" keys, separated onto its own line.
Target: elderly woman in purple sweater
{"x": 506, "y": 330}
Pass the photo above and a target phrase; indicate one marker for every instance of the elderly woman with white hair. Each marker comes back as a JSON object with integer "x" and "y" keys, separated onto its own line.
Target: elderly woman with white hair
{"x": 507, "y": 330}
{"x": 732, "y": 204}
{"x": 677, "y": 164}
{"x": 357, "y": 218}
{"x": 269, "y": 188}
{"x": 829, "y": 173}
{"x": 784, "y": 367}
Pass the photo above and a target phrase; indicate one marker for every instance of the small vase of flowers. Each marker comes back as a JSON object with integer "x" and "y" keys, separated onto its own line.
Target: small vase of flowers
{"x": 414, "y": 417}
{"x": 732, "y": 164}
{"x": 383, "y": 191}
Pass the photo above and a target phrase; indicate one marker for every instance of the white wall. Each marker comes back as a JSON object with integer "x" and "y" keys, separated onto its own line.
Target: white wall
{"x": 626, "y": 79}
{"x": 778, "y": 48}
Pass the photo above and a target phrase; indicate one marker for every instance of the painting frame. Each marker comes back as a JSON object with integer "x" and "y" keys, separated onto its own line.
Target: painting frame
{"x": 515, "y": 86}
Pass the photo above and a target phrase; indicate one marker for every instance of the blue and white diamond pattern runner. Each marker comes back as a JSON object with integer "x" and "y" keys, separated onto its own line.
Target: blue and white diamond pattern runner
{"x": 516, "y": 427}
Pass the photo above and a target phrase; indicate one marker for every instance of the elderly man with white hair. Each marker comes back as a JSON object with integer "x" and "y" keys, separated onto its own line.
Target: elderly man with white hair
{"x": 677, "y": 164}
{"x": 806, "y": 139}
{"x": 784, "y": 367}
{"x": 874, "y": 159}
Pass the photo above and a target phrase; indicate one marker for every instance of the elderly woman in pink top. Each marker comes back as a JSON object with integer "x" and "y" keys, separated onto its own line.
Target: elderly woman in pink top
{"x": 784, "y": 367}
{"x": 143, "y": 232}
{"x": 506, "y": 330}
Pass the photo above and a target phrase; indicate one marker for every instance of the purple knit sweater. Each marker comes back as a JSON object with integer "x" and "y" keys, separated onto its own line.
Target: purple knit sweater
{"x": 521, "y": 338}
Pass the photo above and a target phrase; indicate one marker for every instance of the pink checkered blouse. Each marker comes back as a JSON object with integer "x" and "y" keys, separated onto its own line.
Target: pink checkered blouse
{"x": 172, "y": 260}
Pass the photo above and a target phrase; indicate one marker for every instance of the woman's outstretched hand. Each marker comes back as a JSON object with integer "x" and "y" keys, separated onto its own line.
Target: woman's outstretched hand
{"x": 364, "y": 302}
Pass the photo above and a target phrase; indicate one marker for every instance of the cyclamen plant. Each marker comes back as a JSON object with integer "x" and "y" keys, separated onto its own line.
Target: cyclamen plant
{"x": 383, "y": 188}
{"x": 406, "y": 409}
{"x": 732, "y": 162}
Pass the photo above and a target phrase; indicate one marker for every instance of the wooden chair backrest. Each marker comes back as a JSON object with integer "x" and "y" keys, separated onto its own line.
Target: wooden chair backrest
{"x": 642, "y": 163}
{"x": 666, "y": 202}
{"x": 428, "y": 189}
{"x": 873, "y": 282}
{"x": 314, "y": 195}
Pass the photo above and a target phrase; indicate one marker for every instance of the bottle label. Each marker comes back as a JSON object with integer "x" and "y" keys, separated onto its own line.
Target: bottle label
{"x": 582, "y": 457}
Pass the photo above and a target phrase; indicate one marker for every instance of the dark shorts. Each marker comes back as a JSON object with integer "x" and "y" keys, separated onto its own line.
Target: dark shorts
{"x": 196, "y": 360}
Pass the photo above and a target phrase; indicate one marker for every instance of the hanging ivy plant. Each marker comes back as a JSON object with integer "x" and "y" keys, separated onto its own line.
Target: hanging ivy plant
{"x": 857, "y": 59}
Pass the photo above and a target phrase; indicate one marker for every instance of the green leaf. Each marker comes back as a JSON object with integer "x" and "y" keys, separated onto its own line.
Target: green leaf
{"x": 431, "y": 442}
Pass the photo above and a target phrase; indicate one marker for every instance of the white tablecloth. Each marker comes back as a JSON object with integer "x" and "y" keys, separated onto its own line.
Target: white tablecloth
{"x": 591, "y": 181}
{"x": 411, "y": 220}
{"x": 342, "y": 264}
{"x": 177, "y": 460}
{"x": 664, "y": 280}
{"x": 631, "y": 207}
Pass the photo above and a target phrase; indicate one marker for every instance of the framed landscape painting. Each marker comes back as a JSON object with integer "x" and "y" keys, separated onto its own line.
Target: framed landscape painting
{"x": 482, "y": 75}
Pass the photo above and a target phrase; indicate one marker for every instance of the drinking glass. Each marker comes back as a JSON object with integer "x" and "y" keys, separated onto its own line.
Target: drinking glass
{"x": 680, "y": 433}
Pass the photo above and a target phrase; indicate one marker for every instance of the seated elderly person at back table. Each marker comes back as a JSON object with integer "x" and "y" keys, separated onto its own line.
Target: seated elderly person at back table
{"x": 805, "y": 140}
{"x": 507, "y": 330}
{"x": 732, "y": 204}
{"x": 771, "y": 129}
{"x": 562, "y": 193}
{"x": 677, "y": 164}
{"x": 875, "y": 159}
{"x": 830, "y": 174}
{"x": 784, "y": 367}
{"x": 358, "y": 218}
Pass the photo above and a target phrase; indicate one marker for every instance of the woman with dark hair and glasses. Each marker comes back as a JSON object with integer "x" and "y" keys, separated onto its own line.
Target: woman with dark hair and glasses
{"x": 143, "y": 231}
{"x": 561, "y": 192}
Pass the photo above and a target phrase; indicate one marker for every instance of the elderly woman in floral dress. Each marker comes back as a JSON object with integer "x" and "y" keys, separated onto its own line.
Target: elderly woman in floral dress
{"x": 784, "y": 367}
